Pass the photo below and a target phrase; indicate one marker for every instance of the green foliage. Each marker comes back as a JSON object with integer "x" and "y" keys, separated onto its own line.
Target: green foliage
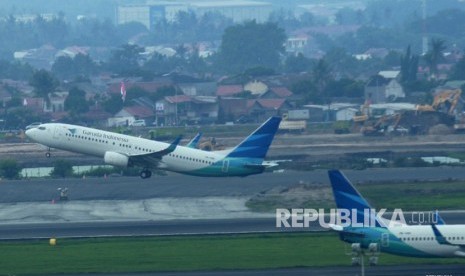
{"x": 250, "y": 45}
{"x": 62, "y": 168}
{"x": 113, "y": 104}
{"x": 408, "y": 66}
{"x": 345, "y": 88}
{"x": 76, "y": 101}
{"x": 66, "y": 67}
{"x": 9, "y": 169}
{"x": 458, "y": 71}
{"x": 19, "y": 117}
{"x": 435, "y": 54}
{"x": 297, "y": 64}
{"x": 44, "y": 83}
{"x": 125, "y": 59}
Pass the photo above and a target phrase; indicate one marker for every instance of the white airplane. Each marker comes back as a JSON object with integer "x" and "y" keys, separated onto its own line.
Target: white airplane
{"x": 435, "y": 240}
{"x": 128, "y": 151}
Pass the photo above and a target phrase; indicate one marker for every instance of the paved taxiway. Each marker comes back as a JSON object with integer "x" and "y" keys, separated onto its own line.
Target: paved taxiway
{"x": 397, "y": 270}
{"x": 176, "y": 185}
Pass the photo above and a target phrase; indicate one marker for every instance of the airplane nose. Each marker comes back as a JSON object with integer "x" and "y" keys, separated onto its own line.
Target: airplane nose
{"x": 29, "y": 132}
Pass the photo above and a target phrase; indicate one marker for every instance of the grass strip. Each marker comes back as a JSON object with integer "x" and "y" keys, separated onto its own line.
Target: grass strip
{"x": 186, "y": 253}
{"x": 416, "y": 196}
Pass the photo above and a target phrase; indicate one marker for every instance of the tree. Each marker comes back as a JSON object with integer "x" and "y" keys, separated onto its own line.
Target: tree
{"x": 62, "y": 168}
{"x": 76, "y": 102}
{"x": 408, "y": 66}
{"x": 113, "y": 104}
{"x": 250, "y": 45}
{"x": 435, "y": 54}
{"x": 458, "y": 71}
{"x": 321, "y": 75}
{"x": 43, "y": 83}
{"x": 297, "y": 64}
{"x": 125, "y": 59}
{"x": 9, "y": 169}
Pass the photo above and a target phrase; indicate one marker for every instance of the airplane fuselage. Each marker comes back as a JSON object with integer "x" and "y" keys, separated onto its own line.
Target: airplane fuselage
{"x": 409, "y": 240}
{"x": 98, "y": 143}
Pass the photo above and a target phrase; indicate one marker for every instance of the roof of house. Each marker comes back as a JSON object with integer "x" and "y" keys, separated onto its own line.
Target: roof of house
{"x": 178, "y": 99}
{"x": 281, "y": 91}
{"x": 267, "y": 103}
{"x": 377, "y": 80}
{"x": 389, "y": 74}
{"x": 115, "y": 88}
{"x": 229, "y": 90}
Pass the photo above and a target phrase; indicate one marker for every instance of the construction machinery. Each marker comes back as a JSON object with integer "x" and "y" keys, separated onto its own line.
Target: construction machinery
{"x": 444, "y": 101}
{"x": 442, "y": 111}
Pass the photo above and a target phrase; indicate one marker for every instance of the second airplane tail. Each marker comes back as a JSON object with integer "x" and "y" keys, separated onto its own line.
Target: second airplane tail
{"x": 256, "y": 144}
{"x": 348, "y": 198}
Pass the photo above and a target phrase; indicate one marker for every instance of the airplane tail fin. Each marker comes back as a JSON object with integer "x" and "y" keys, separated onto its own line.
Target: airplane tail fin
{"x": 348, "y": 198}
{"x": 195, "y": 141}
{"x": 256, "y": 144}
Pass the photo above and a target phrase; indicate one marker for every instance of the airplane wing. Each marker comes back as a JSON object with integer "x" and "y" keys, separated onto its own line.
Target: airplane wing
{"x": 266, "y": 164}
{"x": 443, "y": 240}
{"x": 152, "y": 158}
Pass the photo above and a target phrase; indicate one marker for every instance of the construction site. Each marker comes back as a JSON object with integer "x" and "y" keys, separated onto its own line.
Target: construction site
{"x": 443, "y": 116}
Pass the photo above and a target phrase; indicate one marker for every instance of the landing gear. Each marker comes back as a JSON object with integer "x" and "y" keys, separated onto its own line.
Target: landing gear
{"x": 47, "y": 154}
{"x": 145, "y": 174}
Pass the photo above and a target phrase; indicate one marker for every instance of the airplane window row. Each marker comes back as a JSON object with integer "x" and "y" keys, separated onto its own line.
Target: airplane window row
{"x": 430, "y": 238}
{"x": 142, "y": 149}
{"x": 87, "y": 138}
{"x": 190, "y": 158}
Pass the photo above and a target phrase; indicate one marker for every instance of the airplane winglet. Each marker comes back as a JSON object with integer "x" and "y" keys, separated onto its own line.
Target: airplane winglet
{"x": 171, "y": 147}
{"x": 438, "y": 219}
{"x": 175, "y": 143}
{"x": 439, "y": 237}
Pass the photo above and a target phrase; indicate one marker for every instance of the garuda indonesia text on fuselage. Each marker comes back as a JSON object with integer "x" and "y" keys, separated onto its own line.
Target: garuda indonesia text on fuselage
{"x": 435, "y": 240}
{"x": 128, "y": 151}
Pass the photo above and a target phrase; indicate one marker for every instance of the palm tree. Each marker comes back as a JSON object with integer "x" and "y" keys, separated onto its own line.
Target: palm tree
{"x": 435, "y": 55}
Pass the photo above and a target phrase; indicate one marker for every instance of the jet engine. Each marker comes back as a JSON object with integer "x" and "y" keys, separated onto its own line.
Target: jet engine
{"x": 116, "y": 159}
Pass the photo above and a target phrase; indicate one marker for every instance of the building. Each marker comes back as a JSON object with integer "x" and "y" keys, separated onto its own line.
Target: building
{"x": 155, "y": 11}
{"x": 384, "y": 87}
{"x": 238, "y": 11}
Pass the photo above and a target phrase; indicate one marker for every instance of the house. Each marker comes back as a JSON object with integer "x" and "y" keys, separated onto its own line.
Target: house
{"x": 129, "y": 114}
{"x": 150, "y": 87}
{"x": 256, "y": 87}
{"x": 231, "y": 108}
{"x": 185, "y": 109}
{"x": 229, "y": 90}
{"x": 276, "y": 92}
{"x": 198, "y": 88}
{"x": 384, "y": 87}
{"x": 36, "y": 105}
{"x": 262, "y": 109}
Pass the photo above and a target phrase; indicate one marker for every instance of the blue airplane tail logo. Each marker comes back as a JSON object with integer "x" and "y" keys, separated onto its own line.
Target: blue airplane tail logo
{"x": 347, "y": 197}
{"x": 257, "y": 144}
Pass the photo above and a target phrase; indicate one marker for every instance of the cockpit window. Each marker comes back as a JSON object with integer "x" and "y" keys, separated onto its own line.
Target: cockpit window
{"x": 41, "y": 128}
